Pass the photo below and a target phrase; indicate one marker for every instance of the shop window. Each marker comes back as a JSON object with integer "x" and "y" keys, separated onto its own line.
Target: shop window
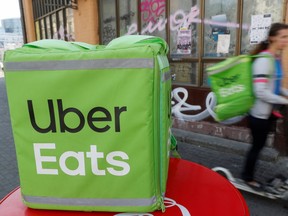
{"x": 48, "y": 28}
{"x": 108, "y": 27}
{"x": 43, "y": 32}
{"x": 153, "y": 18}
{"x": 216, "y": 33}
{"x": 199, "y": 33}
{"x": 70, "y": 24}
{"x": 184, "y": 72}
{"x": 62, "y": 33}
{"x": 127, "y": 16}
{"x": 183, "y": 33}
{"x": 54, "y": 26}
{"x": 132, "y": 17}
{"x": 37, "y": 28}
{"x": 205, "y": 77}
{"x": 259, "y": 8}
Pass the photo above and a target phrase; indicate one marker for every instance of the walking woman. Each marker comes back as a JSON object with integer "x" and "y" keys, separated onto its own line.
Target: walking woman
{"x": 267, "y": 75}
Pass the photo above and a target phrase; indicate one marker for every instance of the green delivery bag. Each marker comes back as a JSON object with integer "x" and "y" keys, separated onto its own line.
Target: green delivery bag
{"x": 231, "y": 81}
{"x": 91, "y": 124}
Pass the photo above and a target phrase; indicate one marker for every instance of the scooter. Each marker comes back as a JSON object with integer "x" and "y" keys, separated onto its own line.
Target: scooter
{"x": 276, "y": 188}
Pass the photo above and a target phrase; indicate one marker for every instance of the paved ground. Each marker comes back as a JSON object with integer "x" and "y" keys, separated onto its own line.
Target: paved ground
{"x": 213, "y": 151}
{"x": 209, "y": 157}
{"x": 8, "y": 166}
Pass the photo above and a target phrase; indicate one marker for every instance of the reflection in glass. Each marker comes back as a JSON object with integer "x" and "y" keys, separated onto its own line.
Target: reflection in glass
{"x": 108, "y": 21}
{"x": 205, "y": 75}
{"x": 183, "y": 32}
{"x": 54, "y": 26}
{"x": 43, "y": 29}
{"x": 49, "y": 35}
{"x": 128, "y": 16}
{"x": 185, "y": 72}
{"x": 37, "y": 27}
{"x": 219, "y": 13}
{"x": 61, "y": 28}
{"x": 70, "y": 24}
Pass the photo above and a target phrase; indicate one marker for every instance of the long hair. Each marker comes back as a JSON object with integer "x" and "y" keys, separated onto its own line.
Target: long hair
{"x": 274, "y": 30}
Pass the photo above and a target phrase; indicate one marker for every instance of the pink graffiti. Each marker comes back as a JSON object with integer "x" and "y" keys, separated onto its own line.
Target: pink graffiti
{"x": 179, "y": 19}
{"x": 152, "y": 9}
{"x": 160, "y": 25}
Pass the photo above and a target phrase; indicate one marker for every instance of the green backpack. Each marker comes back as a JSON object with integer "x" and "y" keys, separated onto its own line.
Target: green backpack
{"x": 232, "y": 83}
{"x": 91, "y": 124}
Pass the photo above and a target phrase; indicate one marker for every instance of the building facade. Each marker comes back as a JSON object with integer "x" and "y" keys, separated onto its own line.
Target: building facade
{"x": 200, "y": 33}
{"x": 10, "y": 35}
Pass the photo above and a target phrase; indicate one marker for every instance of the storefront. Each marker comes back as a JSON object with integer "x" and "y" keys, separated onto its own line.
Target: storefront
{"x": 199, "y": 33}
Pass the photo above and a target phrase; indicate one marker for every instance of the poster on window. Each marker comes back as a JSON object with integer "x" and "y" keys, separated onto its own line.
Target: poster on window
{"x": 260, "y": 25}
{"x": 218, "y": 26}
{"x": 223, "y": 43}
{"x": 184, "y": 41}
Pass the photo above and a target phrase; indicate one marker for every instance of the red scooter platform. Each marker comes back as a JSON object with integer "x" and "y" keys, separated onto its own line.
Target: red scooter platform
{"x": 192, "y": 189}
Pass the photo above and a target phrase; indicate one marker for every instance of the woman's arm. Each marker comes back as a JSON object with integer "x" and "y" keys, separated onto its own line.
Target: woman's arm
{"x": 284, "y": 92}
{"x": 262, "y": 71}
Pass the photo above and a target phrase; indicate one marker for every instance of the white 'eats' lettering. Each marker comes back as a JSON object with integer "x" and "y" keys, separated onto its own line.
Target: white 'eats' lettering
{"x": 225, "y": 92}
{"x": 94, "y": 156}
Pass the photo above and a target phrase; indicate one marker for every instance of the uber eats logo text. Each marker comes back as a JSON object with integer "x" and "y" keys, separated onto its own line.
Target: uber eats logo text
{"x": 110, "y": 120}
{"x": 230, "y": 85}
{"x": 91, "y": 120}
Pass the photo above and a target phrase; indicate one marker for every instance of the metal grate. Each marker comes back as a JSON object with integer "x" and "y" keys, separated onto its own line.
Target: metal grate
{"x": 43, "y": 8}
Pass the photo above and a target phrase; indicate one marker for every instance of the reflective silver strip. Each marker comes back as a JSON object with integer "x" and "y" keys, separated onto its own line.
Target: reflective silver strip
{"x": 166, "y": 76}
{"x": 89, "y": 202}
{"x": 163, "y": 61}
{"x": 79, "y": 64}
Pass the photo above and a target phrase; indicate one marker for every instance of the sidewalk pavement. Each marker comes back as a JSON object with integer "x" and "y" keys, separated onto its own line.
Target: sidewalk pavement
{"x": 9, "y": 178}
{"x": 211, "y": 151}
